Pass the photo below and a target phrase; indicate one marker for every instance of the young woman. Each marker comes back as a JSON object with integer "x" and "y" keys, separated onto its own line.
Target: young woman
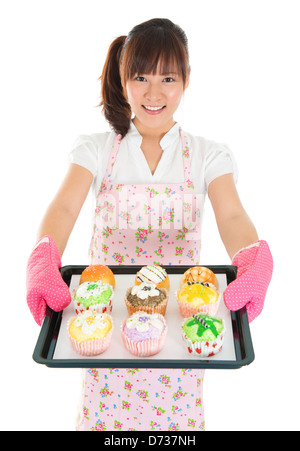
{"x": 150, "y": 179}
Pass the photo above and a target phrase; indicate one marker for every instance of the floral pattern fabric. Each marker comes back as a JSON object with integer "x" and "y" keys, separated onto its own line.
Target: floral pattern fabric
{"x": 142, "y": 399}
{"x": 140, "y": 225}
{"x": 147, "y": 224}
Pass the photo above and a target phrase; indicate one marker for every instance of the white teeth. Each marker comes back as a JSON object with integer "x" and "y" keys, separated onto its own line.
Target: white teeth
{"x": 153, "y": 108}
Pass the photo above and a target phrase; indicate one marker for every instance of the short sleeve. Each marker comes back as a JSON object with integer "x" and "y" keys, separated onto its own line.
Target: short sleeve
{"x": 219, "y": 161}
{"x": 85, "y": 153}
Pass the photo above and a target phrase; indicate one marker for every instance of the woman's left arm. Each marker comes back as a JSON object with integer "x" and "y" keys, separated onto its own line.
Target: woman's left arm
{"x": 235, "y": 227}
{"x": 252, "y": 258}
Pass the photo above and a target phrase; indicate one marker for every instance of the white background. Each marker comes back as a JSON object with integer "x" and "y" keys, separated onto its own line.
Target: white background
{"x": 244, "y": 91}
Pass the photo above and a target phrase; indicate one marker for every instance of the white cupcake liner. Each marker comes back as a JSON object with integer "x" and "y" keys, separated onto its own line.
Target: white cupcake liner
{"x": 99, "y": 308}
{"x": 145, "y": 348}
{"x": 94, "y": 346}
{"x": 204, "y": 348}
{"x": 187, "y": 310}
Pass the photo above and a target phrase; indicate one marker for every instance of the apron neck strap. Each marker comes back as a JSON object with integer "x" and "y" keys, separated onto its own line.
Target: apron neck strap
{"x": 112, "y": 157}
{"x": 185, "y": 156}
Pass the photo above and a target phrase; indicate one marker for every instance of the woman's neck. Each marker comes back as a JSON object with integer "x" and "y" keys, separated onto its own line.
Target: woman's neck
{"x": 152, "y": 134}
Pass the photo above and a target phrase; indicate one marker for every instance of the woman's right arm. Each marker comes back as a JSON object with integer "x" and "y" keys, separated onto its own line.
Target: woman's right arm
{"x": 63, "y": 211}
{"x": 44, "y": 283}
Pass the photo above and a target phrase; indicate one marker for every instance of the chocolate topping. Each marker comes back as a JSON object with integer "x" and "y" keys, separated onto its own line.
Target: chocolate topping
{"x": 151, "y": 301}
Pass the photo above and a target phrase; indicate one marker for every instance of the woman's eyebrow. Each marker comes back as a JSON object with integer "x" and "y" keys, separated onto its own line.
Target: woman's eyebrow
{"x": 160, "y": 74}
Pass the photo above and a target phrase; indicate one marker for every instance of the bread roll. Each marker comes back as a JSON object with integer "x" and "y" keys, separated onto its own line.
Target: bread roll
{"x": 94, "y": 273}
{"x": 199, "y": 274}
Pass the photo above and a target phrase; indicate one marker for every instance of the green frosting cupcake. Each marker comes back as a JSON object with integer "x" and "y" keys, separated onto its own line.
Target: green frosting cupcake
{"x": 203, "y": 328}
{"x": 93, "y": 295}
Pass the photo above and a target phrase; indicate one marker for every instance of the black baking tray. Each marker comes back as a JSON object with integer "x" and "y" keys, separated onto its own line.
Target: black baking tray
{"x": 45, "y": 346}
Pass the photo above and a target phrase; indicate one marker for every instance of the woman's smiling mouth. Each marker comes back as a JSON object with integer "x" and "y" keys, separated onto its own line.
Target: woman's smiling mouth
{"x": 153, "y": 109}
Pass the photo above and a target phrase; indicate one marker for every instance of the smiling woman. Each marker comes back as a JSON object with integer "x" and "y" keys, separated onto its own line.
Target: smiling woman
{"x": 148, "y": 68}
{"x": 144, "y": 217}
{"x": 154, "y": 98}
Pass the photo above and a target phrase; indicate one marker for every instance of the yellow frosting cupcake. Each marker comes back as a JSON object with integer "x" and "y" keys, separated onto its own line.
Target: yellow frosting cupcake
{"x": 90, "y": 332}
{"x": 198, "y": 294}
{"x": 197, "y": 298}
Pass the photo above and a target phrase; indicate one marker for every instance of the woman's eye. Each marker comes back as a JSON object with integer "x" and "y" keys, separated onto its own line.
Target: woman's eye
{"x": 169, "y": 79}
{"x": 139, "y": 78}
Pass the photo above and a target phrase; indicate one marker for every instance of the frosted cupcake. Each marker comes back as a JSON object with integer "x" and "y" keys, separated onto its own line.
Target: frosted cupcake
{"x": 90, "y": 332}
{"x": 93, "y": 296}
{"x": 203, "y": 335}
{"x": 144, "y": 334}
{"x": 198, "y": 298}
{"x": 147, "y": 298}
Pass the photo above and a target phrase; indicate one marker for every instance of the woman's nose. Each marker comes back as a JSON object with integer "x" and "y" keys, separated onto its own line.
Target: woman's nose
{"x": 153, "y": 92}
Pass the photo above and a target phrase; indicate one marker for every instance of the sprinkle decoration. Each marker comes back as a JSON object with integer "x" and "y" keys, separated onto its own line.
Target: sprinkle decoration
{"x": 201, "y": 320}
{"x": 92, "y": 286}
{"x": 205, "y": 284}
{"x": 147, "y": 288}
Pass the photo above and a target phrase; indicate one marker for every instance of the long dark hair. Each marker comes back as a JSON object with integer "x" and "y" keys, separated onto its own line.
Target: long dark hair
{"x": 147, "y": 44}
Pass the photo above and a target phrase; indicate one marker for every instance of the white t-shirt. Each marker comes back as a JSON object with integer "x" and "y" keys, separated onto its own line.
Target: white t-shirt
{"x": 209, "y": 159}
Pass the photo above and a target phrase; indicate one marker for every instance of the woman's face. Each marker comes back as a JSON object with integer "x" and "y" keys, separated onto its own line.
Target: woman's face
{"x": 154, "y": 99}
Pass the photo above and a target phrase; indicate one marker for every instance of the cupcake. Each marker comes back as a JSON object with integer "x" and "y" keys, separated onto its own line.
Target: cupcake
{"x": 95, "y": 296}
{"x": 90, "y": 332}
{"x": 199, "y": 274}
{"x": 198, "y": 298}
{"x": 147, "y": 298}
{"x": 144, "y": 334}
{"x": 203, "y": 335}
{"x": 96, "y": 273}
{"x": 154, "y": 274}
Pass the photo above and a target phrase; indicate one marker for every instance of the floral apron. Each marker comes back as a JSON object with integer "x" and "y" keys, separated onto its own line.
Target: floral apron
{"x": 141, "y": 225}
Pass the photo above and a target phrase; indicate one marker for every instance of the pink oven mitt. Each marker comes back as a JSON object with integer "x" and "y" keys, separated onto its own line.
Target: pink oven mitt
{"x": 254, "y": 271}
{"x": 45, "y": 285}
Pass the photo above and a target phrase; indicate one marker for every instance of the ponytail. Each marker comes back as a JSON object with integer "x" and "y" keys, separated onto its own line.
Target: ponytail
{"x": 116, "y": 109}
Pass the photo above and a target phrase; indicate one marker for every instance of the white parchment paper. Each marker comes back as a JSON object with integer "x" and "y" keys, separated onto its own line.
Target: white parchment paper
{"x": 174, "y": 348}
